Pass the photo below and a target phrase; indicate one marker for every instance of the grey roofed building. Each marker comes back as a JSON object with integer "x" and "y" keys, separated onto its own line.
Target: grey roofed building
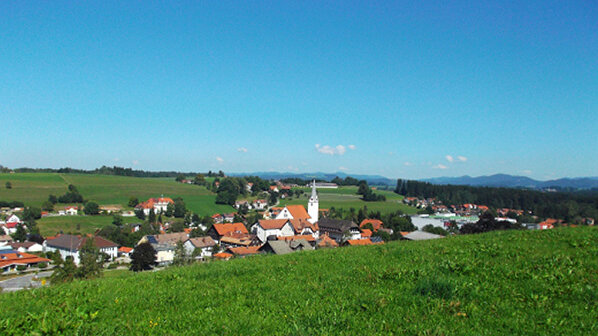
{"x": 276, "y": 247}
{"x": 338, "y": 228}
{"x": 300, "y": 245}
{"x": 421, "y": 235}
{"x": 201, "y": 242}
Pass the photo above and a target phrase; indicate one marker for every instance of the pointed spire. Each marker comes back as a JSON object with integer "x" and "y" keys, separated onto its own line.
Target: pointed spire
{"x": 314, "y": 195}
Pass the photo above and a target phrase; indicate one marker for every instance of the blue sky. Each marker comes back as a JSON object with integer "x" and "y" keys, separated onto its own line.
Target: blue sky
{"x": 405, "y": 89}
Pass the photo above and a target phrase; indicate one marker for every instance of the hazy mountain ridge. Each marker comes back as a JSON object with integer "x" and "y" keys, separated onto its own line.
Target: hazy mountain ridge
{"x": 511, "y": 181}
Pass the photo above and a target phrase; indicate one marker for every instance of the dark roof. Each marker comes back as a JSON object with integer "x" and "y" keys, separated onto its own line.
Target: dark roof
{"x": 277, "y": 247}
{"x": 336, "y": 225}
{"x": 72, "y": 242}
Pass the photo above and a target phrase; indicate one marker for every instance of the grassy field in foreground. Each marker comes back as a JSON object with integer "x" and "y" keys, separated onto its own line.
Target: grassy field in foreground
{"x": 34, "y": 189}
{"x": 346, "y": 198}
{"x": 501, "y": 283}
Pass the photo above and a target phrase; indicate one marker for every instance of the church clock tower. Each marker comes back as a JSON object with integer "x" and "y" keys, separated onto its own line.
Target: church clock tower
{"x": 313, "y": 204}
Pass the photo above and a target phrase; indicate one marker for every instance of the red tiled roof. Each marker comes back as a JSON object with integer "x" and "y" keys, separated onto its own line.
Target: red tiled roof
{"x": 124, "y": 249}
{"x": 307, "y": 237}
{"x": 149, "y": 204}
{"x": 244, "y": 250}
{"x": 223, "y": 255}
{"x": 272, "y": 224}
{"x": 354, "y": 242}
{"x": 366, "y": 232}
{"x": 327, "y": 242}
{"x": 376, "y": 223}
{"x": 298, "y": 211}
{"x": 19, "y": 258}
{"x": 226, "y": 228}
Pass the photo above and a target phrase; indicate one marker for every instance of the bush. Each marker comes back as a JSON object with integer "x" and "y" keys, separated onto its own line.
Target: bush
{"x": 42, "y": 265}
{"x": 112, "y": 266}
{"x": 21, "y": 267}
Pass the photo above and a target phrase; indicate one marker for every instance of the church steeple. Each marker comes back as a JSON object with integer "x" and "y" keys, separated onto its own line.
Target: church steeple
{"x": 313, "y": 204}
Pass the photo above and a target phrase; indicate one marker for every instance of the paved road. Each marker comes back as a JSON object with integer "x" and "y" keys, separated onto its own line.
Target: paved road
{"x": 24, "y": 281}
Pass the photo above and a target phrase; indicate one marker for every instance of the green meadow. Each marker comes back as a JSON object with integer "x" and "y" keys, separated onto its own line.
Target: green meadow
{"x": 346, "y": 198}
{"x": 34, "y": 189}
{"x": 49, "y": 226}
{"x": 499, "y": 283}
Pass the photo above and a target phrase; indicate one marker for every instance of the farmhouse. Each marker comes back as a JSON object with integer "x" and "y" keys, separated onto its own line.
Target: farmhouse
{"x": 338, "y": 229}
{"x": 217, "y": 231}
{"x": 272, "y": 228}
{"x": 11, "y": 259}
{"x": 156, "y": 204}
{"x": 27, "y": 246}
{"x": 70, "y": 245}
{"x": 200, "y": 246}
{"x": 71, "y": 210}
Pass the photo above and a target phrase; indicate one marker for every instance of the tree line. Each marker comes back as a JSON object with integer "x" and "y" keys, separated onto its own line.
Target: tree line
{"x": 570, "y": 206}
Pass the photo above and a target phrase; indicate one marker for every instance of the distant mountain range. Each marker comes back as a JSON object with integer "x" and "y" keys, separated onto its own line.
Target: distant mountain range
{"x": 510, "y": 181}
{"x": 497, "y": 180}
{"x": 371, "y": 179}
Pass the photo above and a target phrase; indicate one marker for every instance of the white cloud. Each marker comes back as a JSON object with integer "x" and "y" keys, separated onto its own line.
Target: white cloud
{"x": 135, "y": 162}
{"x": 351, "y": 147}
{"x": 242, "y": 149}
{"x": 219, "y": 159}
{"x": 440, "y": 166}
{"x": 462, "y": 158}
{"x": 343, "y": 168}
{"x": 328, "y": 150}
{"x": 408, "y": 164}
{"x": 449, "y": 158}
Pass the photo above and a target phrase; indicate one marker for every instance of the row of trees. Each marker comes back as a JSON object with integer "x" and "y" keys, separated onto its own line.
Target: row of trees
{"x": 367, "y": 194}
{"x": 563, "y": 205}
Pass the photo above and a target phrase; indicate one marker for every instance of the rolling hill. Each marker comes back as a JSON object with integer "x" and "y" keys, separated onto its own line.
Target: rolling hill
{"x": 510, "y": 181}
{"x": 501, "y": 283}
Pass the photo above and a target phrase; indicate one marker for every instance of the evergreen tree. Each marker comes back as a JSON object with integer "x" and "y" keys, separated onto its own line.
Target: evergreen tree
{"x": 152, "y": 216}
{"x": 143, "y": 257}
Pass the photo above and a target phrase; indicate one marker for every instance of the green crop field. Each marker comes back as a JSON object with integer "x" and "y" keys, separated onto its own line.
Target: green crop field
{"x": 500, "y": 283}
{"x": 34, "y": 189}
{"x": 346, "y": 198}
{"x": 49, "y": 226}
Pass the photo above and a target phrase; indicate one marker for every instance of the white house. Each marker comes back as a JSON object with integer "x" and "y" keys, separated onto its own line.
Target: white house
{"x": 13, "y": 219}
{"x": 204, "y": 244}
{"x": 69, "y": 245}
{"x": 165, "y": 244}
{"x": 272, "y": 228}
{"x": 27, "y": 247}
{"x": 71, "y": 210}
{"x": 260, "y": 204}
{"x": 156, "y": 204}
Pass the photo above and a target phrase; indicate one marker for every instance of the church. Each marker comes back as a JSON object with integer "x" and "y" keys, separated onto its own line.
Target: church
{"x": 292, "y": 220}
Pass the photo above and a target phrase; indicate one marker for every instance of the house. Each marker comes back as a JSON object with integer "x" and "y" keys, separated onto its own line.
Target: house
{"x": 274, "y": 211}
{"x": 165, "y": 245}
{"x": 549, "y": 223}
{"x": 249, "y": 187}
{"x": 356, "y": 242}
{"x": 366, "y": 233}
{"x": 271, "y": 228}
{"x": 308, "y": 238}
{"x": 276, "y": 247}
{"x": 223, "y": 256}
{"x": 200, "y": 246}
{"x": 158, "y": 205}
{"x": 13, "y": 219}
{"x": 11, "y": 259}
{"x": 325, "y": 241}
{"x": 218, "y": 218}
{"x": 243, "y": 251}
{"x": 70, "y": 245}
{"x": 243, "y": 203}
{"x": 260, "y": 204}
{"x": 300, "y": 245}
{"x": 305, "y": 227}
{"x": 229, "y": 217}
{"x": 30, "y": 247}
{"x": 71, "y": 210}
{"x": 421, "y": 235}
{"x": 299, "y": 212}
{"x": 376, "y": 224}
{"x": 338, "y": 229}
{"x": 111, "y": 208}
{"x": 5, "y": 240}
{"x": 239, "y": 240}
{"x": 274, "y": 188}
{"x": 217, "y": 231}
{"x": 124, "y": 251}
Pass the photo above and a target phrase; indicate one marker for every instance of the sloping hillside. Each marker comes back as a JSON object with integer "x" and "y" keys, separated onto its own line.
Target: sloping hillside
{"x": 503, "y": 283}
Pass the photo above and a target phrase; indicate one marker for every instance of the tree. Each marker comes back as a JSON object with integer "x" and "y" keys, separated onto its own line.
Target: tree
{"x": 133, "y": 201}
{"x": 152, "y": 216}
{"x": 91, "y": 261}
{"x": 197, "y": 232}
{"x": 180, "y": 254}
{"x": 143, "y": 257}
{"x": 199, "y": 179}
{"x": 177, "y": 226}
{"x": 140, "y": 214}
{"x": 65, "y": 271}
{"x": 52, "y": 199}
{"x": 21, "y": 234}
{"x": 48, "y": 206}
{"x": 179, "y": 178}
{"x": 8, "y": 185}
{"x": 179, "y": 208}
{"x": 117, "y": 220}
{"x": 169, "y": 210}
{"x": 32, "y": 213}
{"x": 91, "y": 208}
